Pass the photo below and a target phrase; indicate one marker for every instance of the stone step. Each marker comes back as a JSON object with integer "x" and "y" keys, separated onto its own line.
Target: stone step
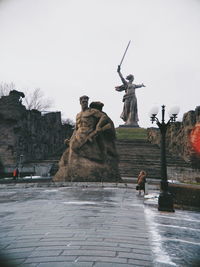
{"x": 135, "y": 155}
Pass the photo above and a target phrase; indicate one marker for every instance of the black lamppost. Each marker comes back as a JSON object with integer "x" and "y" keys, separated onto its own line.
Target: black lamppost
{"x": 165, "y": 200}
{"x": 20, "y": 165}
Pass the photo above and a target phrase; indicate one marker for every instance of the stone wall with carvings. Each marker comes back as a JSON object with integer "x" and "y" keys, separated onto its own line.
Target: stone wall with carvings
{"x": 183, "y": 138}
{"x": 30, "y": 133}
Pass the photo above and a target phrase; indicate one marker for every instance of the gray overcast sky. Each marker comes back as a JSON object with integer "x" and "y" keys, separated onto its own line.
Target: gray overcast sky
{"x": 72, "y": 47}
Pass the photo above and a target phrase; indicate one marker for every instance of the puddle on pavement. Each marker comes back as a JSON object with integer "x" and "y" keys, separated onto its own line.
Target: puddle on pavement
{"x": 80, "y": 203}
{"x": 50, "y": 191}
{"x": 174, "y": 237}
{"x": 136, "y": 205}
{"x": 160, "y": 256}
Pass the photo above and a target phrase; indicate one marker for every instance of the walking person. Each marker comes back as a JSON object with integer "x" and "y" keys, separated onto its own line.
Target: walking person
{"x": 141, "y": 182}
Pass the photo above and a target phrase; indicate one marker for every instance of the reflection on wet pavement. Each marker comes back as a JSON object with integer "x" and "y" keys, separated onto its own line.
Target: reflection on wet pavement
{"x": 110, "y": 216}
{"x": 175, "y": 237}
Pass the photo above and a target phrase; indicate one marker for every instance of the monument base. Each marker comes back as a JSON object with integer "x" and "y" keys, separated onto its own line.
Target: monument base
{"x": 129, "y": 126}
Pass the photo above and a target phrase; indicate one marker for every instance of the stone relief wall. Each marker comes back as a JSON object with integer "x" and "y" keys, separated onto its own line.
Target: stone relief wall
{"x": 29, "y": 132}
{"x": 183, "y": 138}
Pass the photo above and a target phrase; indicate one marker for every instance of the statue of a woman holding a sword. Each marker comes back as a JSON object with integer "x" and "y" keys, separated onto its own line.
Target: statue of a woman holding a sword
{"x": 130, "y": 110}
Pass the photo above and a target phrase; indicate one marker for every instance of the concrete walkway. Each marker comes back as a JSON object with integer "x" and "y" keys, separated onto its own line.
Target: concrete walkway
{"x": 74, "y": 226}
{"x": 80, "y": 224}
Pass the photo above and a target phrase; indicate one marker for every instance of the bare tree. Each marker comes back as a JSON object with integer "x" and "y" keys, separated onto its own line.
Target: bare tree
{"x": 5, "y": 88}
{"x": 68, "y": 121}
{"x": 33, "y": 99}
{"x": 36, "y": 100}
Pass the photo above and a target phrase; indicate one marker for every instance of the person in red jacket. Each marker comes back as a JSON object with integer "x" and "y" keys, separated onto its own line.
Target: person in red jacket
{"x": 15, "y": 173}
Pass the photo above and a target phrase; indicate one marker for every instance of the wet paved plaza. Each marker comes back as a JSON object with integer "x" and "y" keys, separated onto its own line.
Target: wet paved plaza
{"x": 91, "y": 225}
{"x": 175, "y": 237}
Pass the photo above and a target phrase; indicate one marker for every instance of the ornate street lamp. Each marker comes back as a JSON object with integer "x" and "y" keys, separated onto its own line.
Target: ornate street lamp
{"x": 165, "y": 200}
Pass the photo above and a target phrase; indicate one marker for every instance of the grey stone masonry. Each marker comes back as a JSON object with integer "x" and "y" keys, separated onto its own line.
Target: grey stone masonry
{"x": 29, "y": 135}
{"x": 74, "y": 225}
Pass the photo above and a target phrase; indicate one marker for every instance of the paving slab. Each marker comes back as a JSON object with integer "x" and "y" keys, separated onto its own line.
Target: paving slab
{"x": 75, "y": 225}
{"x": 85, "y": 224}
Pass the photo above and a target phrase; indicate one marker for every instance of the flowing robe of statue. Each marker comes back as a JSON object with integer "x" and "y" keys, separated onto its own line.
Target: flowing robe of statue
{"x": 130, "y": 110}
{"x": 90, "y": 155}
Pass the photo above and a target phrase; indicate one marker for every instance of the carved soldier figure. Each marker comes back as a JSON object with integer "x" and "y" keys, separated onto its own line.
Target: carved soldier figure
{"x": 130, "y": 110}
{"x": 108, "y": 134}
{"x": 88, "y": 127}
{"x": 88, "y": 156}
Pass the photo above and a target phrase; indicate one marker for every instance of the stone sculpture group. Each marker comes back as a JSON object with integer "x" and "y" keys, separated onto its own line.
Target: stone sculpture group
{"x": 91, "y": 153}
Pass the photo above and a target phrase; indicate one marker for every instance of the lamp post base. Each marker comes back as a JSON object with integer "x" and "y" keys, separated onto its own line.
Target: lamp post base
{"x": 165, "y": 202}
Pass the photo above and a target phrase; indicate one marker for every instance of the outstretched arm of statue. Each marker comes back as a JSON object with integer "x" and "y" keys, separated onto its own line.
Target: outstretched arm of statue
{"x": 139, "y": 85}
{"x": 121, "y": 76}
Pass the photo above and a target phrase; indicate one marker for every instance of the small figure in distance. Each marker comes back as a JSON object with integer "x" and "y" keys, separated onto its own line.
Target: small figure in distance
{"x": 141, "y": 181}
{"x": 15, "y": 173}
